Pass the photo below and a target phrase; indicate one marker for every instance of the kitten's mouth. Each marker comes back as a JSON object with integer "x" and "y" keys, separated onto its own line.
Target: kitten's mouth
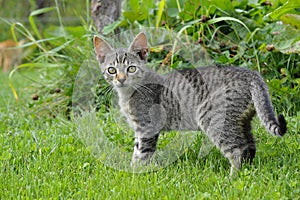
{"x": 122, "y": 85}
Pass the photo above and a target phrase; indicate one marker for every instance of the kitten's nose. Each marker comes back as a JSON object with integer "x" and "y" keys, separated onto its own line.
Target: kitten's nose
{"x": 122, "y": 80}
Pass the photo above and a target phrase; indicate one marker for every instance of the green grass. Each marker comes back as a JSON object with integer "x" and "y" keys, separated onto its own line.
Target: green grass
{"x": 44, "y": 159}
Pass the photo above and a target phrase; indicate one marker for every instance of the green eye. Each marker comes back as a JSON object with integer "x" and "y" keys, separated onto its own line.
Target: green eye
{"x": 131, "y": 69}
{"x": 111, "y": 70}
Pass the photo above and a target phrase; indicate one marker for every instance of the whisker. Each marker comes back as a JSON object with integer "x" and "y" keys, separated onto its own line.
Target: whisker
{"x": 145, "y": 89}
{"x": 103, "y": 96}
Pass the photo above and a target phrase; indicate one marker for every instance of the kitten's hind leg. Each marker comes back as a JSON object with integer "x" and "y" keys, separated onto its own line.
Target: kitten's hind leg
{"x": 232, "y": 140}
{"x": 240, "y": 155}
{"x": 240, "y": 148}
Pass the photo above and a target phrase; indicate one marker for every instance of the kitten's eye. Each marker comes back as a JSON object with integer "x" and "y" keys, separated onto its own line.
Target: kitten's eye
{"x": 131, "y": 69}
{"x": 111, "y": 70}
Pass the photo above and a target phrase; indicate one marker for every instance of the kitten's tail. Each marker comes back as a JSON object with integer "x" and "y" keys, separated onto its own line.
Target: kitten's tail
{"x": 264, "y": 108}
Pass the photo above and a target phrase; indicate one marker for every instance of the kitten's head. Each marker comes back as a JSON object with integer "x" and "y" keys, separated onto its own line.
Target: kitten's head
{"x": 122, "y": 67}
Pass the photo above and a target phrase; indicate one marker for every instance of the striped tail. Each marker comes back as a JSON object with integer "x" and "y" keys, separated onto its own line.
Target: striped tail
{"x": 264, "y": 108}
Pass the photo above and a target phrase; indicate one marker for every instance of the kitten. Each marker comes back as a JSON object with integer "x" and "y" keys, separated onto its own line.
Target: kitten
{"x": 221, "y": 101}
{"x": 10, "y": 54}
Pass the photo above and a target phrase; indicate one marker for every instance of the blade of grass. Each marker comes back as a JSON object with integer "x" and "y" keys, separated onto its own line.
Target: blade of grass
{"x": 219, "y": 19}
{"x": 59, "y": 17}
{"x": 161, "y": 7}
{"x": 32, "y": 22}
{"x": 30, "y": 37}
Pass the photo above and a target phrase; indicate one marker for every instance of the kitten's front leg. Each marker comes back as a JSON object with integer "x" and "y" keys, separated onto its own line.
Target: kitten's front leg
{"x": 144, "y": 148}
{"x": 147, "y": 129}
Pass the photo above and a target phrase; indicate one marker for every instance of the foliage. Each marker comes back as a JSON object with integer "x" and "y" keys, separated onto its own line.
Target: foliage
{"x": 242, "y": 33}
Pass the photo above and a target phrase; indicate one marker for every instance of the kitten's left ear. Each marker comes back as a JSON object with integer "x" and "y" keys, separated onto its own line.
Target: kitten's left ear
{"x": 102, "y": 49}
{"x": 140, "y": 46}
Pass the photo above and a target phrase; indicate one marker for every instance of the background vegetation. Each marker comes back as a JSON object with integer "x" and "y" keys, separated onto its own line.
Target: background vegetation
{"x": 40, "y": 153}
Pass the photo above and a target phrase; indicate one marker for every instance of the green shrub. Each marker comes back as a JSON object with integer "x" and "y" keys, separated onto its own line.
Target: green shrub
{"x": 259, "y": 35}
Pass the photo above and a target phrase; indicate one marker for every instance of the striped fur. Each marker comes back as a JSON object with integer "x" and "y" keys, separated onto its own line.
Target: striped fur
{"x": 221, "y": 101}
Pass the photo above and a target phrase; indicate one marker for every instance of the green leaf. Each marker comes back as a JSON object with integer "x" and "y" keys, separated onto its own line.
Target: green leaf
{"x": 287, "y": 7}
{"x": 161, "y": 7}
{"x": 287, "y": 40}
{"x": 189, "y": 10}
{"x": 111, "y": 27}
{"x": 225, "y": 5}
{"x": 134, "y": 4}
{"x": 136, "y": 15}
{"x": 291, "y": 19}
{"x": 173, "y": 7}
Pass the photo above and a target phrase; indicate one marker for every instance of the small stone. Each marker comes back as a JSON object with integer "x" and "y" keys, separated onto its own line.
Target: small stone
{"x": 267, "y": 3}
{"x": 57, "y": 90}
{"x": 35, "y": 97}
{"x": 200, "y": 41}
{"x": 204, "y": 18}
{"x": 222, "y": 44}
{"x": 276, "y": 33}
{"x": 270, "y": 47}
{"x": 163, "y": 23}
{"x": 234, "y": 47}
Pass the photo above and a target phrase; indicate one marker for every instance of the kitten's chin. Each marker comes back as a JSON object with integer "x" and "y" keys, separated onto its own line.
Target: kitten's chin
{"x": 125, "y": 91}
{"x": 127, "y": 84}
{"x": 123, "y": 88}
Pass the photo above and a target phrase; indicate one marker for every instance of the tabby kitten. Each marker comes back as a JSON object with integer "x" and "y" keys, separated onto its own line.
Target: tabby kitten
{"x": 221, "y": 101}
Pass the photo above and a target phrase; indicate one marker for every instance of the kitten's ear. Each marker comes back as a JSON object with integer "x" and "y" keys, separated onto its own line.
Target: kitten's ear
{"x": 101, "y": 49}
{"x": 140, "y": 46}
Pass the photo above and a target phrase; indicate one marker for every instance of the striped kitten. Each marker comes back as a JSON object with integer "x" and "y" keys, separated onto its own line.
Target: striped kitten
{"x": 221, "y": 101}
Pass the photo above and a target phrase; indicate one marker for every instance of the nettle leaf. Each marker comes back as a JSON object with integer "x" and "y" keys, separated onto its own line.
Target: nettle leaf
{"x": 190, "y": 10}
{"x": 253, "y": 3}
{"x": 172, "y": 12}
{"x": 173, "y": 7}
{"x": 136, "y": 15}
{"x": 134, "y": 4}
{"x": 291, "y": 19}
{"x": 149, "y": 4}
{"x": 137, "y": 10}
{"x": 288, "y": 7}
{"x": 287, "y": 40}
{"x": 75, "y": 31}
{"x": 212, "y": 5}
{"x": 225, "y": 5}
{"x": 113, "y": 26}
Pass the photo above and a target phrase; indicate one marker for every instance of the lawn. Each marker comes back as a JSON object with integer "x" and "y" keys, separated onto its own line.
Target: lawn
{"x": 43, "y": 158}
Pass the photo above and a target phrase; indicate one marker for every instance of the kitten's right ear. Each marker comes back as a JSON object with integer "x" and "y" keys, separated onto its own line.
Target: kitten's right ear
{"x": 101, "y": 48}
{"x": 140, "y": 46}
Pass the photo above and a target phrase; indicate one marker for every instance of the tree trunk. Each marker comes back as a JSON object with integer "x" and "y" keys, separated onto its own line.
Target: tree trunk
{"x": 104, "y": 12}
